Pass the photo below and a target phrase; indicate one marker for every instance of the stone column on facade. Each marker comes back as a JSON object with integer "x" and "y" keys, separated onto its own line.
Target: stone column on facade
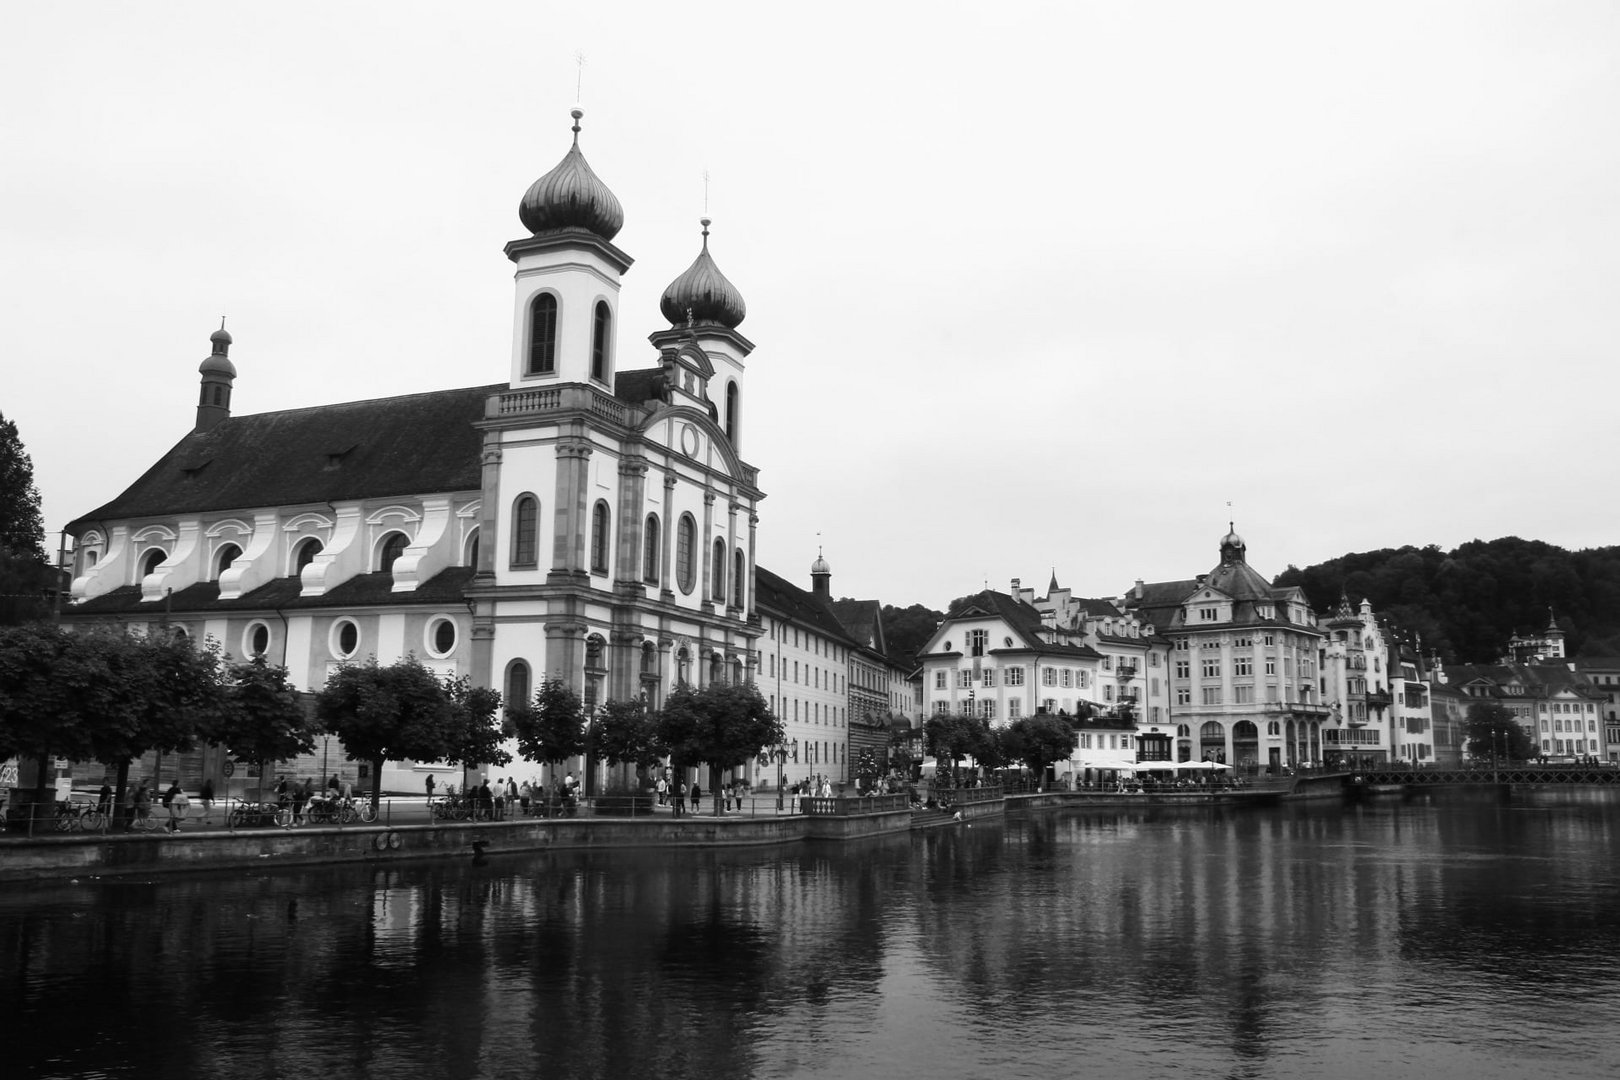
{"x": 571, "y": 514}
{"x": 753, "y": 539}
{"x": 565, "y": 652}
{"x": 632, "y": 514}
{"x": 624, "y": 665}
{"x": 732, "y": 604}
{"x": 705, "y": 552}
{"x": 666, "y": 576}
{"x": 489, "y": 509}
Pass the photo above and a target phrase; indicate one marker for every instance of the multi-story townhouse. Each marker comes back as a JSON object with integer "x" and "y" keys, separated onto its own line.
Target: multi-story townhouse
{"x": 804, "y": 675}
{"x": 1603, "y": 674}
{"x": 1355, "y": 687}
{"x": 1243, "y": 663}
{"x": 1559, "y": 709}
{"x": 994, "y": 657}
{"x": 1134, "y": 669}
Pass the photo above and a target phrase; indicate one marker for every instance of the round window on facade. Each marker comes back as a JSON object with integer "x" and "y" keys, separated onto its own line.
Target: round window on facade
{"x": 345, "y": 639}
{"x": 441, "y": 637}
{"x": 256, "y": 641}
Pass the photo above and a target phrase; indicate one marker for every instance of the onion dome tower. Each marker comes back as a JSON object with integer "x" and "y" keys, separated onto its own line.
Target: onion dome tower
{"x": 702, "y": 294}
{"x": 821, "y": 577}
{"x": 568, "y": 272}
{"x": 1233, "y": 549}
{"x": 702, "y": 345}
{"x": 218, "y": 374}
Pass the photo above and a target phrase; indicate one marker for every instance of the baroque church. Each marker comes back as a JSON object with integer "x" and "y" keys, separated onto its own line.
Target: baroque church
{"x": 582, "y": 518}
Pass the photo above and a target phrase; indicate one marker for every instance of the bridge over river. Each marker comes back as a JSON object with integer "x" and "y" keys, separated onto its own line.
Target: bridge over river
{"x": 1516, "y": 772}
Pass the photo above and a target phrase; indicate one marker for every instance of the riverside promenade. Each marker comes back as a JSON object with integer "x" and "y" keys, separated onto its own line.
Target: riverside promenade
{"x": 407, "y": 829}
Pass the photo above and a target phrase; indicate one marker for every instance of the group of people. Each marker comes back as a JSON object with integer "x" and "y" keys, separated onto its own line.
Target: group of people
{"x": 175, "y": 802}
{"x": 675, "y": 794}
{"x": 507, "y": 796}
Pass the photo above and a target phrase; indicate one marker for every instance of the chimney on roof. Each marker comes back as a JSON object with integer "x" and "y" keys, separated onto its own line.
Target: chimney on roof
{"x": 1138, "y": 590}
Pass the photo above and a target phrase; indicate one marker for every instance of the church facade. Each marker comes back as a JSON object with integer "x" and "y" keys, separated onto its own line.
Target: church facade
{"x": 582, "y": 519}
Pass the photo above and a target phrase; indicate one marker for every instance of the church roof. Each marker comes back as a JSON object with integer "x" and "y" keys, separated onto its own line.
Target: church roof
{"x": 328, "y": 453}
{"x": 447, "y": 587}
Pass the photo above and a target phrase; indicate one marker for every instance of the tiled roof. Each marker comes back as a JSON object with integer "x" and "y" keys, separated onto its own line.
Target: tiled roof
{"x": 1022, "y": 618}
{"x": 863, "y": 619}
{"x": 448, "y": 587}
{"x": 788, "y": 601}
{"x": 328, "y": 453}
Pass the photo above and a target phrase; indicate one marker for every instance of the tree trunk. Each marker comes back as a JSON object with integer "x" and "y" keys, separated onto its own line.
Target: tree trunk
{"x": 714, "y": 786}
{"x": 121, "y": 812}
{"x": 376, "y": 783}
{"x": 39, "y": 797}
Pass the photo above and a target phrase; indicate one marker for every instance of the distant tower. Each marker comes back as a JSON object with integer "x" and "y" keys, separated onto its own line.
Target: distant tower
{"x": 821, "y": 577}
{"x": 218, "y": 373}
{"x": 704, "y": 310}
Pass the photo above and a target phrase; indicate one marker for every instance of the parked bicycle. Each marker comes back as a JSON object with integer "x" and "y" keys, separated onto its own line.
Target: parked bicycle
{"x": 247, "y": 813}
{"x": 72, "y": 816}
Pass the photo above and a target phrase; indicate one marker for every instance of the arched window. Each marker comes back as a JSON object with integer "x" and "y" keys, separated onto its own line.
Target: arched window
{"x": 650, "y": 551}
{"x": 599, "y": 538}
{"x": 525, "y": 531}
{"x": 649, "y": 658}
{"x": 542, "y": 335}
{"x": 601, "y": 326}
{"x": 393, "y": 546}
{"x": 152, "y": 560}
{"x": 686, "y": 553}
{"x": 717, "y": 587}
{"x": 517, "y": 684}
{"x": 472, "y": 548}
{"x": 224, "y": 558}
{"x": 739, "y": 579}
{"x": 305, "y": 554}
{"x": 731, "y": 412}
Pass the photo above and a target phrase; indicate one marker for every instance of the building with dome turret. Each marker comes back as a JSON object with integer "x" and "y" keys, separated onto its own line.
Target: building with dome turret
{"x": 1243, "y": 663}
{"x": 588, "y": 517}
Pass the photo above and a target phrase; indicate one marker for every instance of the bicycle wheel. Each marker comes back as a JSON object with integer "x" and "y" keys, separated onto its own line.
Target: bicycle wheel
{"x": 65, "y": 820}
{"x": 284, "y": 816}
{"x": 346, "y": 815}
{"x": 92, "y": 820}
{"x": 367, "y": 812}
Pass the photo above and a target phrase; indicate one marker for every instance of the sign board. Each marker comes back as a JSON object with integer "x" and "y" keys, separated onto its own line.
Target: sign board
{"x": 64, "y": 788}
{"x": 8, "y": 772}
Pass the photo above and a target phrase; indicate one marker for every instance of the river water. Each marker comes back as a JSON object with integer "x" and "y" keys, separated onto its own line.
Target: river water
{"x": 1446, "y": 937}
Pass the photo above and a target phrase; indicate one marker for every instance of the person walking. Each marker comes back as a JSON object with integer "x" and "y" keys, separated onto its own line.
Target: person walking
{"x": 142, "y": 802}
{"x": 178, "y": 805}
{"x": 428, "y": 784}
{"x": 679, "y": 801}
{"x": 301, "y": 794}
{"x": 205, "y": 796}
{"x": 697, "y": 796}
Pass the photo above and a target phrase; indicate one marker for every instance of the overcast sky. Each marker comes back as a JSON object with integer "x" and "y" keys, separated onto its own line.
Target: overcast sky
{"x": 1031, "y": 285}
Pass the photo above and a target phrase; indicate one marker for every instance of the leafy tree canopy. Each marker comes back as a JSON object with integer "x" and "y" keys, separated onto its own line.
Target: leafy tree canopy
{"x": 722, "y": 724}
{"x": 395, "y": 713}
{"x": 1469, "y": 601}
{"x": 476, "y": 736}
{"x": 623, "y": 733}
{"x": 907, "y": 630}
{"x": 264, "y": 719}
{"x": 551, "y": 727}
{"x": 1494, "y": 733}
{"x": 1038, "y": 741}
{"x": 22, "y": 531}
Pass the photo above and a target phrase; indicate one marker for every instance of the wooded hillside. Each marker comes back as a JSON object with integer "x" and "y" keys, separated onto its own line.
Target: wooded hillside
{"x": 1468, "y": 602}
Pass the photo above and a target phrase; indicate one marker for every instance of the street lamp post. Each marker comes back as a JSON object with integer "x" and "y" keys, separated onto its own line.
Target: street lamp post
{"x": 780, "y": 753}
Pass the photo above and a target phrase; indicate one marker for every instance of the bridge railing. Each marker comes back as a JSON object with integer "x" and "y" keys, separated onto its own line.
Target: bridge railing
{"x": 853, "y": 806}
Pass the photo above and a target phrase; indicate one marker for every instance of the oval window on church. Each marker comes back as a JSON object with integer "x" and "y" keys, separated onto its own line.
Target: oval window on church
{"x": 345, "y": 639}
{"x": 441, "y": 637}
{"x": 256, "y": 641}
